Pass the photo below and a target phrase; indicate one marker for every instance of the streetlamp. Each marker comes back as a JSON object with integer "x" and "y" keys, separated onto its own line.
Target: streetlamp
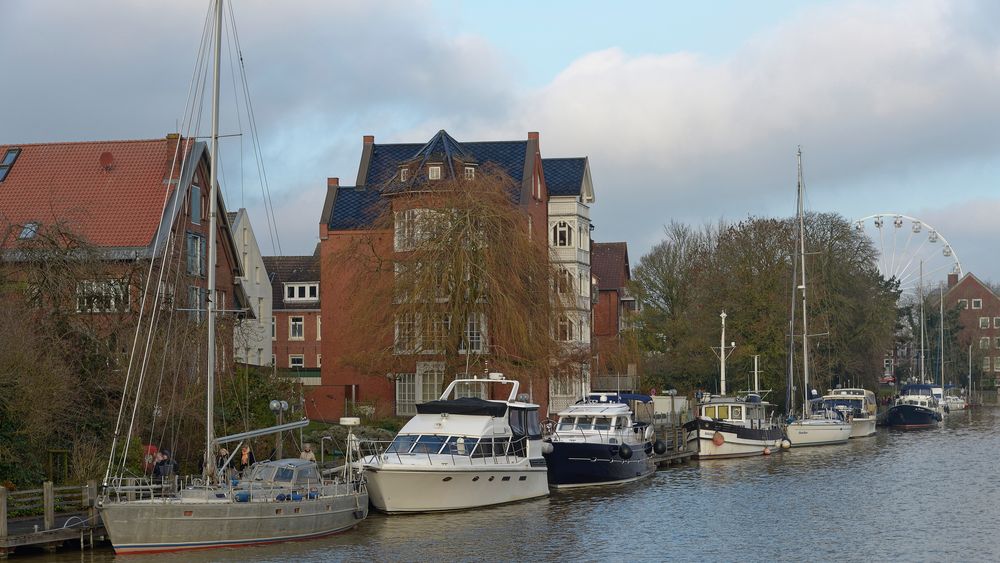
{"x": 322, "y": 449}
{"x": 278, "y": 408}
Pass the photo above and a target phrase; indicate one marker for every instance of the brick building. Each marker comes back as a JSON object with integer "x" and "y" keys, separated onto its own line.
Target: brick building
{"x": 617, "y": 355}
{"x": 296, "y": 324}
{"x": 979, "y": 315}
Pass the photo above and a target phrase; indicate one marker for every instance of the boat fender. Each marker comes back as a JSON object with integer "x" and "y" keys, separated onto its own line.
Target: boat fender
{"x": 313, "y": 495}
{"x": 296, "y": 497}
{"x": 280, "y": 497}
{"x": 718, "y": 439}
{"x": 649, "y": 433}
{"x": 547, "y": 447}
{"x": 660, "y": 447}
{"x": 243, "y": 496}
{"x": 785, "y": 444}
{"x": 625, "y": 451}
{"x": 767, "y": 450}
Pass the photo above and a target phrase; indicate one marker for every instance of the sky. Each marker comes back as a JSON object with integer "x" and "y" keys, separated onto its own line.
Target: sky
{"x": 688, "y": 111}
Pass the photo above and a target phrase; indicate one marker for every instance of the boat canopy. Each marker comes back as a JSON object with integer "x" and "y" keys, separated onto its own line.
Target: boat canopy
{"x": 617, "y": 398}
{"x": 465, "y": 405}
{"x": 917, "y": 389}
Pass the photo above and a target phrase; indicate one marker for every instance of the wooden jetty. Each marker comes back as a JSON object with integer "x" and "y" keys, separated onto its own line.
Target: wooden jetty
{"x": 673, "y": 434}
{"x": 68, "y": 514}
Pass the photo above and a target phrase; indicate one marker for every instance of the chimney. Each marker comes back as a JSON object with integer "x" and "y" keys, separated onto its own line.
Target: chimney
{"x": 952, "y": 280}
{"x": 532, "y": 135}
{"x": 369, "y": 139}
{"x": 332, "y": 182}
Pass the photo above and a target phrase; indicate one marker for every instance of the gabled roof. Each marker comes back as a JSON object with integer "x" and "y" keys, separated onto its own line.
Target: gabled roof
{"x": 968, "y": 278}
{"x": 565, "y": 176}
{"x": 355, "y": 207}
{"x": 109, "y": 192}
{"x": 609, "y": 263}
{"x": 291, "y": 269}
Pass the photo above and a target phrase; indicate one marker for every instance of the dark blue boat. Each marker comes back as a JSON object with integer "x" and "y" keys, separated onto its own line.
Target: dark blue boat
{"x": 915, "y": 408}
{"x": 597, "y": 441}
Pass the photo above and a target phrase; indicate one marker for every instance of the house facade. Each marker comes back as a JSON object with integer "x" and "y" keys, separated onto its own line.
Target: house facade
{"x": 617, "y": 354}
{"x": 296, "y": 328}
{"x": 979, "y": 314}
{"x": 251, "y": 335}
{"x": 347, "y": 214}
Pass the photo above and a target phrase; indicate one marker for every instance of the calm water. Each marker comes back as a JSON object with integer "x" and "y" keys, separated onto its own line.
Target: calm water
{"x": 914, "y": 496}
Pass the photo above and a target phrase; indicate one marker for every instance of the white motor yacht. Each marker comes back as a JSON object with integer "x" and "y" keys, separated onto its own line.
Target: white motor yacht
{"x": 858, "y": 406}
{"x": 459, "y": 452}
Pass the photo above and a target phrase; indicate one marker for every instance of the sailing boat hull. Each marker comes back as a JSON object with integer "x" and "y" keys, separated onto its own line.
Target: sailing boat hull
{"x": 804, "y": 433}
{"x": 712, "y": 439}
{"x": 173, "y": 524}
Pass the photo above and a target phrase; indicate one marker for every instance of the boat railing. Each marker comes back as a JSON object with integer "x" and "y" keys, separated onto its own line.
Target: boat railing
{"x": 129, "y": 489}
{"x": 498, "y": 451}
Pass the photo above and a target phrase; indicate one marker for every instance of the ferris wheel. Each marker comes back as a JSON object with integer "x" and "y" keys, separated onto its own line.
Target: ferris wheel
{"x": 910, "y": 250}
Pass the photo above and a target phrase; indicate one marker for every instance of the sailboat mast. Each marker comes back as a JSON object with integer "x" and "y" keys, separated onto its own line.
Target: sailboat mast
{"x": 802, "y": 254}
{"x": 212, "y": 222}
{"x": 722, "y": 357}
{"x": 922, "y": 341}
{"x": 941, "y": 347}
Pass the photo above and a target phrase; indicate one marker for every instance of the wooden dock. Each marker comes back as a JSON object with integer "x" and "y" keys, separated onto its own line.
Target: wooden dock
{"x": 68, "y": 514}
{"x": 673, "y": 434}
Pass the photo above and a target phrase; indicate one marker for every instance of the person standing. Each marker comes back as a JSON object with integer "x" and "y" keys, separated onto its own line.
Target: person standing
{"x": 245, "y": 459}
{"x": 307, "y": 453}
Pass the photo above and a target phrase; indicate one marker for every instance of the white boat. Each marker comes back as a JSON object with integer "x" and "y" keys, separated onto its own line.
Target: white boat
{"x": 955, "y": 403}
{"x": 858, "y": 406}
{"x": 460, "y": 452}
{"x": 731, "y": 426}
{"x": 823, "y": 427}
{"x": 280, "y": 500}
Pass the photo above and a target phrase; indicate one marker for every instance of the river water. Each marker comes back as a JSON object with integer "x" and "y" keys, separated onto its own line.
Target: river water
{"x": 931, "y": 495}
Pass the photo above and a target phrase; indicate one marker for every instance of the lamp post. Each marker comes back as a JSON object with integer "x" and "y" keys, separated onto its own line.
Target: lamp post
{"x": 322, "y": 449}
{"x": 278, "y": 408}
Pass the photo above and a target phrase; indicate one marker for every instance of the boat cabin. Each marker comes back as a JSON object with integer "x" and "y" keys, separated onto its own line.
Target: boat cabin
{"x": 734, "y": 410}
{"x": 857, "y": 402}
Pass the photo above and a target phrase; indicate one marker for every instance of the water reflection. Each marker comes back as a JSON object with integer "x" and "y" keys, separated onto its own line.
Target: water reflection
{"x": 915, "y": 496}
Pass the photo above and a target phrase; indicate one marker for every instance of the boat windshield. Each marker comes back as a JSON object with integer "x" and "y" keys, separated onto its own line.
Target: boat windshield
{"x": 429, "y": 444}
{"x": 845, "y": 403}
{"x": 284, "y": 475}
{"x": 460, "y": 445}
{"x": 402, "y": 444}
{"x": 566, "y": 423}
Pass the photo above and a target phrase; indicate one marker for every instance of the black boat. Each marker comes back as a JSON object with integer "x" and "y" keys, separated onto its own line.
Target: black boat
{"x": 597, "y": 441}
{"x": 915, "y": 408}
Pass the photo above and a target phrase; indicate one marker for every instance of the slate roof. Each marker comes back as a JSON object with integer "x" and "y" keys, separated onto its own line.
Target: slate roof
{"x": 609, "y": 263}
{"x": 356, "y": 207}
{"x": 120, "y": 205}
{"x": 291, "y": 269}
{"x": 564, "y": 176}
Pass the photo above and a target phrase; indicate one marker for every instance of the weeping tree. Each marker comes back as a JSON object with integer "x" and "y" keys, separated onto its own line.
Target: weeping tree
{"x": 452, "y": 271}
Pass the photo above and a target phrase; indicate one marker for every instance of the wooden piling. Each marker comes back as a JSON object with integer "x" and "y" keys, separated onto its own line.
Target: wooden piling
{"x": 49, "y": 503}
{"x": 3, "y": 512}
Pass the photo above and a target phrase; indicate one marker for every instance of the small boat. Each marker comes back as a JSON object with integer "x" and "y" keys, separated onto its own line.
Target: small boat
{"x": 915, "y": 408}
{"x": 858, "y": 407}
{"x": 598, "y": 441}
{"x": 460, "y": 452}
{"x": 731, "y": 426}
{"x": 955, "y": 403}
{"x": 819, "y": 426}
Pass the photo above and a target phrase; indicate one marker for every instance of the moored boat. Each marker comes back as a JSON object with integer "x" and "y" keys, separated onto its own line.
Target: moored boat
{"x": 598, "y": 441}
{"x": 858, "y": 406}
{"x": 915, "y": 408}
{"x": 460, "y": 452}
{"x": 732, "y": 427}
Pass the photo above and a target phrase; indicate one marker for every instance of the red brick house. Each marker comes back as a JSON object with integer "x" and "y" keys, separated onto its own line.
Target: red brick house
{"x": 131, "y": 201}
{"x": 979, "y": 315}
{"x": 346, "y": 214}
{"x": 617, "y": 355}
{"x": 296, "y": 324}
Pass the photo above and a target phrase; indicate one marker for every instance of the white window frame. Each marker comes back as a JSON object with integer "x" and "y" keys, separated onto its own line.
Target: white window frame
{"x": 293, "y": 357}
{"x": 984, "y": 343}
{"x": 963, "y": 304}
{"x": 474, "y": 335}
{"x": 406, "y": 394}
{"x": 562, "y": 234}
{"x": 300, "y": 323}
{"x": 403, "y": 174}
{"x": 986, "y": 363}
{"x": 434, "y": 337}
{"x": 308, "y": 291}
{"x": 274, "y": 328}
{"x": 406, "y": 334}
{"x": 996, "y": 322}
{"x": 564, "y": 329}
{"x": 996, "y": 363}
{"x": 195, "y": 254}
{"x": 319, "y": 328}
{"x": 102, "y": 296}
{"x": 984, "y": 322}
{"x": 434, "y": 172}
{"x": 414, "y": 388}
{"x": 977, "y": 303}
{"x": 996, "y": 342}
{"x": 319, "y": 360}
{"x": 470, "y": 172}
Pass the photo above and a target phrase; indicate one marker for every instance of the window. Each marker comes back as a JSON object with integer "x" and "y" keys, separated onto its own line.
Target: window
{"x": 8, "y": 161}
{"x": 963, "y": 303}
{"x": 296, "y": 361}
{"x": 996, "y": 363}
{"x": 403, "y": 174}
{"x": 319, "y": 360}
{"x": 410, "y": 228}
{"x": 420, "y": 387}
{"x": 302, "y": 291}
{"x": 977, "y": 303}
{"x": 984, "y": 343}
{"x": 996, "y": 322}
{"x": 986, "y": 363}
{"x": 984, "y": 322}
{"x": 196, "y": 205}
{"x": 29, "y": 231}
{"x": 406, "y": 334}
{"x": 102, "y": 296}
{"x": 434, "y": 172}
{"x": 996, "y": 343}
{"x": 256, "y": 274}
{"x": 564, "y": 329}
{"x": 737, "y": 413}
{"x": 319, "y": 328}
{"x": 562, "y": 234}
{"x": 436, "y": 333}
{"x": 296, "y": 328}
{"x": 470, "y": 172}
{"x": 564, "y": 281}
{"x": 474, "y": 339}
{"x": 536, "y": 186}
{"x": 584, "y": 289}
{"x": 274, "y": 331}
{"x": 260, "y": 310}
{"x": 196, "y": 302}
{"x": 196, "y": 254}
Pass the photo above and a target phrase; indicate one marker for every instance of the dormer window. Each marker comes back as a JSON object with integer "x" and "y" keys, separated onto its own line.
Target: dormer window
{"x": 470, "y": 172}
{"x": 8, "y": 161}
{"x": 434, "y": 172}
{"x": 301, "y": 291}
{"x": 562, "y": 234}
{"x": 403, "y": 174}
{"x": 29, "y": 231}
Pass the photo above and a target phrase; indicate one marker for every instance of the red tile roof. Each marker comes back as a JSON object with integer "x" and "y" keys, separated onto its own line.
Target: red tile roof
{"x": 120, "y": 205}
{"x": 609, "y": 262}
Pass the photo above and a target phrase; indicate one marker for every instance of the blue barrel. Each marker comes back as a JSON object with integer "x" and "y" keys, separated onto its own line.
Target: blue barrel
{"x": 243, "y": 496}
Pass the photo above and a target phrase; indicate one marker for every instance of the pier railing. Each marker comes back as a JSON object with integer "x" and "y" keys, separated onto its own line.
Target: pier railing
{"x": 47, "y": 515}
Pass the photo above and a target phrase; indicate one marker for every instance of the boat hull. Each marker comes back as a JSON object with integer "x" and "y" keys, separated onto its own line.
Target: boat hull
{"x": 407, "y": 489}
{"x": 862, "y": 427}
{"x": 573, "y": 464}
{"x": 736, "y": 441}
{"x": 808, "y": 433}
{"x": 911, "y": 417}
{"x": 163, "y": 525}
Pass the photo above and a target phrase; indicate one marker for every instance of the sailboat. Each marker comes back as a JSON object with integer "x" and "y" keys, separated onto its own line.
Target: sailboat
{"x": 726, "y": 426}
{"x": 818, "y": 426}
{"x": 285, "y": 499}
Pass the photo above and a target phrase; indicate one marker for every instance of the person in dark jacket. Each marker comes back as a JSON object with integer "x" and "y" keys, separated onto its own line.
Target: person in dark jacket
{"x": 166, "y": 467}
